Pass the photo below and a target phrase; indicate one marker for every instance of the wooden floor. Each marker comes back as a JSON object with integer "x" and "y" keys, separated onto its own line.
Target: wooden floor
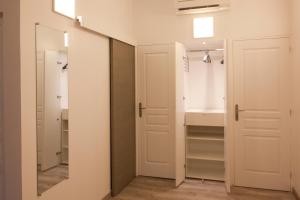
{"x": 49, "y": 178}
{"x": 143, "y": 188}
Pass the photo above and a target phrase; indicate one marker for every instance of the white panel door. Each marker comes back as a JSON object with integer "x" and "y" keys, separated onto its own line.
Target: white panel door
{"x": 157, "y": 68}
{"x": 262, "y": 124}
{"x": 52, "y": 111}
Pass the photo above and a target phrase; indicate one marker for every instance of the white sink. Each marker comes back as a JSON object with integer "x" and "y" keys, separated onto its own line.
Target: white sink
{"x": 199, "y": 117}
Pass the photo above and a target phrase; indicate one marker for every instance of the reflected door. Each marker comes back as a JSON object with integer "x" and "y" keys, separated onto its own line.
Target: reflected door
{"x": 52, "y": 111}
{"x": 157, "y": 80}
{"x": 262, "y": 114}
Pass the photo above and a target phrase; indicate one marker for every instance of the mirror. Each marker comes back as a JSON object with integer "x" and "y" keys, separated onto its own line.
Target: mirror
{"x": 52, "y": 107}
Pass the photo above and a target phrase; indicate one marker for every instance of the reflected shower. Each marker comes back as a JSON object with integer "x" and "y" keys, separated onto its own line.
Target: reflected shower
{"x": 207, "y": 58}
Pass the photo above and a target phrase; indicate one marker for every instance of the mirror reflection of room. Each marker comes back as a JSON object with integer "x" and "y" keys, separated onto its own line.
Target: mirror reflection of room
{"x": 52, "y": 107}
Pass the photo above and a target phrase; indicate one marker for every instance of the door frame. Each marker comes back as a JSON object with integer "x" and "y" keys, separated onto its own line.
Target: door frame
{"x": 232, "y": 100}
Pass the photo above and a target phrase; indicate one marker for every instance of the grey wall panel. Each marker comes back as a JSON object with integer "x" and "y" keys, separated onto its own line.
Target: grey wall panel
{"x": 123, "y": 151}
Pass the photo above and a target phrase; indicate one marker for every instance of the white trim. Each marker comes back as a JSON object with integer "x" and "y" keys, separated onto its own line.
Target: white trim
{"x": 137, "y": 124}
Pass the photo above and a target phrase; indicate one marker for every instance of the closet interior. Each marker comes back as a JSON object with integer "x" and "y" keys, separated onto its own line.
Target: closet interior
{"x": 204, "y": 111}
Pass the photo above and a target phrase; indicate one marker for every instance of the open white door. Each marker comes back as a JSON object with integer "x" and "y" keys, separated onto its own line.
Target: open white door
{"x": 262, "y": 114}
{"x": 180, "y": 113}
{"x": 157, "y": 78}
{"x": 52, "y": 111}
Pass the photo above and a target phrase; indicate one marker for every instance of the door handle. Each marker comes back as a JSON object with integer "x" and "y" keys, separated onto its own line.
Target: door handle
{"x": 141, "y": 108}
{"x": 237, "y": 112}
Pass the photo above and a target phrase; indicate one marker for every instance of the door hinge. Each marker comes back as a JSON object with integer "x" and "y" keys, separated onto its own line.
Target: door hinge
{"x": 184, "y": 165}
{"x": 291, "y": 112}
{"x": 290, "y": 49}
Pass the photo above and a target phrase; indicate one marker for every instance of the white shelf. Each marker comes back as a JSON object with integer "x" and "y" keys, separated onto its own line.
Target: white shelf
{"x": 65, "y": 115}
{"x": 204, "y": 117}
{"x": 213, "y": 175}
{"x": 65, "y": 162}
{"x": 209, "y": 170}
{"x": 209, "y": 157}
{"x": 206, "y": 130}
{"x": 65, "y": 136}
{"x": 205, "y": 152}
{"x": 220, "y": 139}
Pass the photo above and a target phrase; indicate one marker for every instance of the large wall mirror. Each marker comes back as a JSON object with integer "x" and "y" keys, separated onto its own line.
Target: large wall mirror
{"x": 52, "y": 107}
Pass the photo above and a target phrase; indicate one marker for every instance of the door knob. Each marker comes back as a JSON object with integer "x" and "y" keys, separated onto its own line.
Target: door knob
{"x": 141, "y": 108}
{"x": 237, "y": 112}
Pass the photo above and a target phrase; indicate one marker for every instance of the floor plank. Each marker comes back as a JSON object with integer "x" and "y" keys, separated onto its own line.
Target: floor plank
{"x": 143, "y": 188}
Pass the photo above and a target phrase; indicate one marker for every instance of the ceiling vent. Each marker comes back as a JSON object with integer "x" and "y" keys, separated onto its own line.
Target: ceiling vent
{"x": 201, "y": 6}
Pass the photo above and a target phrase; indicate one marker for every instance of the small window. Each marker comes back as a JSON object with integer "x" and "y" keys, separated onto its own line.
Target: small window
{"x": 204, "y": 27}
{"x": 65, "y": 7}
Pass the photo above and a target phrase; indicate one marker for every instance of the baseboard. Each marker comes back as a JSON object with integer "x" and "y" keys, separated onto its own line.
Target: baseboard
{"x": 296, "y": 194}
{"x": 107, "y": 197}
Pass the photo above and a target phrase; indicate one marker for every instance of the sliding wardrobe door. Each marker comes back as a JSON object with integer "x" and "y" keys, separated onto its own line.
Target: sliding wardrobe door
{"x": 123, "y": 160}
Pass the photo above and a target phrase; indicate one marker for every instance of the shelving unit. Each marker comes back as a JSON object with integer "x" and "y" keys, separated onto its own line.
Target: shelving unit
{"x": 65, "y": 137}
{"x": 204, "y": 169}
{"x": 205, "y": 152}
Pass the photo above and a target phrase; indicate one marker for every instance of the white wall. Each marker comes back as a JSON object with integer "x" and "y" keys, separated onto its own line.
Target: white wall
{"x": 112, "y": 18}
{"x": 205, "y": 82}
{"x": 88, "y": 103}
{"x": 295, "y": 42}
{"x": 156, "y": 21}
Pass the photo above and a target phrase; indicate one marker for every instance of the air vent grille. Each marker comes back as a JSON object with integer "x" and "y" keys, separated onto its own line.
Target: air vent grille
{"x": 199, "y": 7}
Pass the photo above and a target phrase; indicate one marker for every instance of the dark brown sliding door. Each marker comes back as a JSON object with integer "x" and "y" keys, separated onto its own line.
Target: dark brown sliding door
{"x": 123, "y": 153}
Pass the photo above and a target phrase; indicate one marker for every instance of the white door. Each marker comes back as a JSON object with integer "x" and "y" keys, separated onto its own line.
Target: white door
{"x": 180, "y": 113}
{"x": 52, "y": 111}
{"x": 262, "y": 95}
{"x": 157, "y": 78}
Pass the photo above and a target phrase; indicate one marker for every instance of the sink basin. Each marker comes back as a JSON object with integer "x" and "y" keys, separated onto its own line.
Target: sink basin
{"x": 199, "y": 117}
